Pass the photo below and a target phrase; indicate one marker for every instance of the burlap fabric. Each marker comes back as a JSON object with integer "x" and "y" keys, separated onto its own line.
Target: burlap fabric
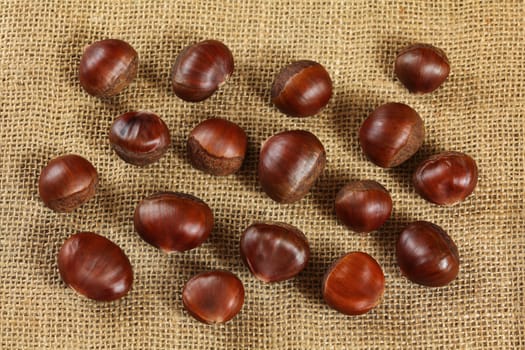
{"x": 45, "y": 113}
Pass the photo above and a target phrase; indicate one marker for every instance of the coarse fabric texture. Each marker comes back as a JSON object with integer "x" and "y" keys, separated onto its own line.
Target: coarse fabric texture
{"x": 479, "y": 110}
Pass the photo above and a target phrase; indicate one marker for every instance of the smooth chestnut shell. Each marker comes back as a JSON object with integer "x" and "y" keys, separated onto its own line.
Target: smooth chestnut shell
{"x": 446, "y": 178}
{"x": 214, "y": 296}
{"x": 302, "y": 89}
{"x": 139, "y": 138}
{"x": 274, "y": 251}
{"x": 107, "y": 67}
{"x": 289, "y": 164}
{"x": 363, "y": 206}
{"x": 354, "y": 284}
{"x": 391, "y": 134}
{"x": 95, "y": 267}
{"x": 67, "y": 182}
{"x": 217, "y": 146}
{"x": 173, "y": 221}
{"x": 200, "y": 69}
{"x": 427, "y": 255}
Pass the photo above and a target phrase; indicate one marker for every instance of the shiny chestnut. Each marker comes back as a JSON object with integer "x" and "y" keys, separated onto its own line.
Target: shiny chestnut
{"x": 214, "y": 296}
{"x": 107, "y": 67}
{"x": 427, "y": 255}
{"x": 289, "y": 164}
{"x": 391, "y": 134}
{"x": 217, "y": 146}
{"x": 302, "y": 89}
{"x": 200, "y": 69}
{"x": 67, "y": 182}
{"x": 173, "y": 221}
{"x": 354, "y": 284}
{"x": 95, "y": 267}
{"x": 274, "y": 251}
{"x": 446, "y": 178}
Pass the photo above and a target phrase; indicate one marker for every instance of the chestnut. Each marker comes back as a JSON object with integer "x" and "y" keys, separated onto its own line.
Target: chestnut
{"x": 214, "y": 296}
{"x": 173, "y": 221}
{"x": 274, "y": 251}
{"x": 107, "y": 67}
{"x": 217, "y": 146}
{"x": 422, "y": 68}
{"x": 289, "y": 164}
{"x": 200, "y": 69}
{"x": 95, "y": 267}
{"x": 427, "y": 255}
{"x": 363, "y": 206}
{"x": 67, "y": 182}
{"x": 354, "y": 284}
{"x": 302, "y": 89}
{"x": 391, "y": 134}
{"x": 446, "y": 178}
{"x": 139, "y": 138}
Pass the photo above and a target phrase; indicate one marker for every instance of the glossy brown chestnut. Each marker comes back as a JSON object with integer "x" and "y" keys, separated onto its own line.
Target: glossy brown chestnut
{"x": 217, "y": 146}
{"x": 302, "y": 89}
{"x": 274, "y": 251}
{"x": 95, "y": 267}
{"x": 214, "y": 296}
{"x": 363, "y": 206}
{"x": 354, "y": 284}
{"x": 200, "y": 69}
{"x": 391, "y": 134}
{"x": 446, "y": 178}
{"x": 107, "y": 67}
{"x": 289, "y": 164}
{"x": 422, "y": 68}
{"x": 173, "y": 221}
{"x": 67, "y": 182}
{"x": 139, "y": 138}
{"x": 427, "y": 255}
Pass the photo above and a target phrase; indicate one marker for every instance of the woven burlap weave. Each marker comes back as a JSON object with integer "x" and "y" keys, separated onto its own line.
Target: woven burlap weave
{"x": 479, "y": 110}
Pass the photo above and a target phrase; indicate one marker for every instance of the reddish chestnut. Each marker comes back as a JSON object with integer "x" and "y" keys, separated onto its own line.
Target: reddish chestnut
{"x": 217, "y": 146}
{"x": 67, "y": 182}
{"x": 354, "y": 284}
{"x": 173, "y": 221}
{"x": 200, "y": 69}
{"x": 289, "y": 164}
{"x": 391, "y": 134}
{"x": 95, "y": 267}
{"x": 274, "y": 251}
{"x": 107, "y": 67}
{"x": 427, "y": 255}
{"x": 302, "y": 89}
{"x": 446, "y": 178}
{"x": 139, "y": 138}
{"x": 214, "y": 296}
{"x": 363, "y": 206}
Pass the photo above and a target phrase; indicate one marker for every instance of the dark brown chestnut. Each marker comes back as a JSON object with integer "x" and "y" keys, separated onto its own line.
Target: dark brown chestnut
{"x": 274, "y": 251}
{"x": 422, "y": 68}
{"x": 200, "y": 69}
{"x": 391, "y": 134}
{"x": 302, "y": 89}
{"x": 289, "y": 164}
{"x": 363, "y": 206}
{"x": 427, "y": 255}
{"x": 107, "y": 67}
{"x": 139, "y": 138}
{"x": 354, "y": 284}
{"x": 173, "y": 221}
{"x": 217, "y": 146}
{"x": 95, "y": 267}
{"x": 446, "y": 178}
{"x": 67, "y": 182}
{"x": 214, "y": 296}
